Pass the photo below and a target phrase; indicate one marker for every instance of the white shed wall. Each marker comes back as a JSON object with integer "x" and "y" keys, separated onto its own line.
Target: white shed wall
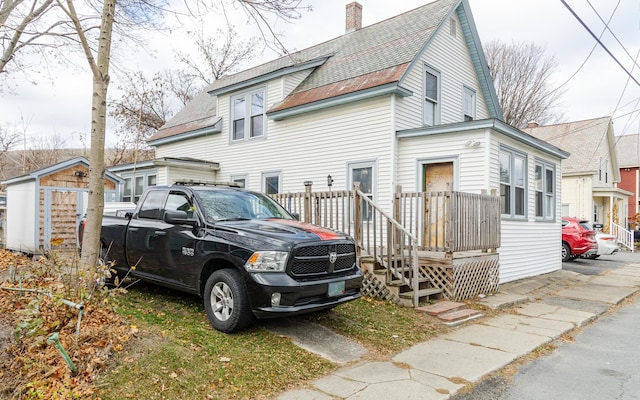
{"x": 23, "y": 223}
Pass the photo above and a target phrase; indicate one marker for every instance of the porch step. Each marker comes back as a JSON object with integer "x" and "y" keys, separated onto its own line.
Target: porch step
{"x": 421, "y": 293}
{"x": 398, "y": 282}
{"x": 451, "y": 313}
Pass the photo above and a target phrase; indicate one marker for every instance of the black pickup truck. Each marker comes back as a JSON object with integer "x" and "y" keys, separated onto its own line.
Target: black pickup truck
{"x": 242, "y": 252}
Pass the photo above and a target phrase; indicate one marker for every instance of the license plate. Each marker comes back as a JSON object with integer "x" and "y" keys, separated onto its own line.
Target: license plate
{"x": 336, "y": 289}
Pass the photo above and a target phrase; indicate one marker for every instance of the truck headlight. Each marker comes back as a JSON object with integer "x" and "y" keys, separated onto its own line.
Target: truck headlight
{"x": 267, "y": 261}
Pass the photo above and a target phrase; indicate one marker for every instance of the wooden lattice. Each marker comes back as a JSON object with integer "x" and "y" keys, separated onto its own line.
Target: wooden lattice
{"x": 464, "y": 278}
{"x": 374, "y": 288}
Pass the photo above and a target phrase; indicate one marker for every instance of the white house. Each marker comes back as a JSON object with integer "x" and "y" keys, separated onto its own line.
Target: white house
{"x": 407, "y": 101}
{"x": 591, "y": 175}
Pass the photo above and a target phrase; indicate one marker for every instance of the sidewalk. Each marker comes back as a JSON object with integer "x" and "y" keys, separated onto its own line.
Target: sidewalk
{"x": 541, "y": 309}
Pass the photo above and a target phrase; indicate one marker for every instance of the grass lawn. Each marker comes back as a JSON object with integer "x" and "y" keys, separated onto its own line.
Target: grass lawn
{"x": 178, "y": 355}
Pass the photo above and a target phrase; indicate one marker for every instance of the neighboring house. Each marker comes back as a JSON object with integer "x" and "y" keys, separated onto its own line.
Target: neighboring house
{"x": 628, "y": 153}
{"x": 591, "y": 175}
{"x": 142, "y": 174}
{"x": 406, "y": 101}
{"x": 45, "y": 206}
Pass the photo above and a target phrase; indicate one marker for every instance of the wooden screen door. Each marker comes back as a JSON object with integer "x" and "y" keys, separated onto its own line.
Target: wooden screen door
{"x": 438, "y": 177}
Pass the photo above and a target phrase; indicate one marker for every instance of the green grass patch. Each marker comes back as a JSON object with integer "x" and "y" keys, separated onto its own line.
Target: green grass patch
{"x": 178, "y": 355}
{"x": 382, "y": 327}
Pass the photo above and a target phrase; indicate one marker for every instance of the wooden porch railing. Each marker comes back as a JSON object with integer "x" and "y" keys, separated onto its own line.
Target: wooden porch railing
{"x": 450, "y": 221}
{"x": 437, "y": 221}
{"x": 625, "y": 237}
{"x": 376, "y": 233}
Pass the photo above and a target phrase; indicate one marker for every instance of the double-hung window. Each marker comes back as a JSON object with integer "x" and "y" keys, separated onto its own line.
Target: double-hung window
{"x": 468, "y": 104}
{"x": 513, "y": 171}
{"x": 431, "y": 96}
{"x": 545, "y": 191}
{"x": 248, "y": 115}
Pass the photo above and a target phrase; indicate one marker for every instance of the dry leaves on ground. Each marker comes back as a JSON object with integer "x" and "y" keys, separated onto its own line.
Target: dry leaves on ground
{"x": 31, "y": 365}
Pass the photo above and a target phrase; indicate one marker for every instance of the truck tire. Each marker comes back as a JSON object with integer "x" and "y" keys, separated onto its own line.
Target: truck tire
{"x": 226, "y": 302}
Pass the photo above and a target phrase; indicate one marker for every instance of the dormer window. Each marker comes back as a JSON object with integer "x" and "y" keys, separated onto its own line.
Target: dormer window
{"x": 247, "y": 115}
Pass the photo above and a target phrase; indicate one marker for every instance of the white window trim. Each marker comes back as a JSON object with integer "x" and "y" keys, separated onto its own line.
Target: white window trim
{"x": 270, "y": 174}
{"x": 512, "y": 213}
{"x": 546, "y": 165}
{"x": 474, "y": 97}
{"x": 247, "y": 116}
{"x": 437, "y": 108}
{"x": 145, "y": 180}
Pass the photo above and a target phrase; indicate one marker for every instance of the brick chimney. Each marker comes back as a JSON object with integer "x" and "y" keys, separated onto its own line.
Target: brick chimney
{"x": 532, "y": 124}
{"x": 353, "y": 21}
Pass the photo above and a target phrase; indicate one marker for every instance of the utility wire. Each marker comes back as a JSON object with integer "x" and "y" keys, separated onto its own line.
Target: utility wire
{"x": 598, "y": 40}
{"x": 606, "y": 27}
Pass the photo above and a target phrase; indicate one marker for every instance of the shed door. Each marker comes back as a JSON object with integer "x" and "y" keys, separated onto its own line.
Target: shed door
{"x": 61, "y": 216}
{"x": 438, "y": 177}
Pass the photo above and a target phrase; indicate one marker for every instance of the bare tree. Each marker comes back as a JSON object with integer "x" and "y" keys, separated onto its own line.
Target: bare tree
{"x": 220, "y": 54}
{"x": 22, "y": 30}
{"x": 522, "y": 76}
{"x": 143, "y": 108}
{"x": 92, "y": 30}
{"x": 9, "y": 137}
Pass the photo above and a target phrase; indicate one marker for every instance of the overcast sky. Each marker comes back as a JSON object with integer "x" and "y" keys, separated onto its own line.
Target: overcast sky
{"x": 600, "y": 87}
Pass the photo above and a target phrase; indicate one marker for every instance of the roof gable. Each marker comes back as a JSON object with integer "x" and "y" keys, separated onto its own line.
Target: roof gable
{"x": 588, "y": 141}
{"x": 628, "y": 150}
{"x": 368, "y": 62}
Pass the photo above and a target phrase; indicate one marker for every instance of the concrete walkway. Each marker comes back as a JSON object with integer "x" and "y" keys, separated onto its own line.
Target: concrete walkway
{"x": 540, "y": 310}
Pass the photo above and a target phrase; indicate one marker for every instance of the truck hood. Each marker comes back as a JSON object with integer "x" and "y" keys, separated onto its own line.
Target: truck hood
{"x": 283, "y": 230}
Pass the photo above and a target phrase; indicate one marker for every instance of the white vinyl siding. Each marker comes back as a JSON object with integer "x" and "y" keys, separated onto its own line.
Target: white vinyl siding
{"x": 307, "y": 147}
{"x": 450, "y": 56}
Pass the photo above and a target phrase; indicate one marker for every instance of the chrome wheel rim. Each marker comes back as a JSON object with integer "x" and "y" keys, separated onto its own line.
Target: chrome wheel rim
{"x": 222, "y": 301}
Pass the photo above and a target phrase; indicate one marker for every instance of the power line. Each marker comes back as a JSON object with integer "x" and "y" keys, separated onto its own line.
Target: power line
{"x": 599, "y": 42}
{"x": 606, "y": 27}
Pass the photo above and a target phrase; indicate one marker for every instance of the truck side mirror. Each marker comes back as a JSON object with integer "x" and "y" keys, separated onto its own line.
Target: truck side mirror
{"x": 295, "y": 216}
{"x": 179, "y": 218}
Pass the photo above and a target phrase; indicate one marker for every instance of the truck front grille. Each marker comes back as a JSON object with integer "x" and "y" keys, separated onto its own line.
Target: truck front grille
{"x": 316, "y": 260}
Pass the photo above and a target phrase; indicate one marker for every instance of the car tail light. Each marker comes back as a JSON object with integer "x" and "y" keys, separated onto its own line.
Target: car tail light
{"x": 608, "y": 238}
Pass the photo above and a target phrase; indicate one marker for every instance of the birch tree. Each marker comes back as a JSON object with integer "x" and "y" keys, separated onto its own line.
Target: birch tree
{"x": 92, "y": 28}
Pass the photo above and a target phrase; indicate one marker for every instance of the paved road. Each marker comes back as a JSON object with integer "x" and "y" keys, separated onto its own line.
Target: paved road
{"x": 602, "y": 363}
{"x": 601, "y": 264}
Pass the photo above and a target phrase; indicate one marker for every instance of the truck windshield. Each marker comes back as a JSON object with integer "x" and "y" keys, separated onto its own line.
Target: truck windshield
{"x": 222, "y": 205}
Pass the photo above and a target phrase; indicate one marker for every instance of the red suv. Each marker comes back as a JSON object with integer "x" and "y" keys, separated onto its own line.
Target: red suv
{"x": 578, "y": 238}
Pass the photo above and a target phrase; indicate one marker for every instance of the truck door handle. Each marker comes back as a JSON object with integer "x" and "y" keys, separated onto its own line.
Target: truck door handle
{"x": 134, "y": 229}
{"x": 160, "y": 233}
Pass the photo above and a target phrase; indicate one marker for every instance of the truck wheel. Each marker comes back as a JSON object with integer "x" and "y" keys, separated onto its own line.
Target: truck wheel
{"x": 225, "y": 301}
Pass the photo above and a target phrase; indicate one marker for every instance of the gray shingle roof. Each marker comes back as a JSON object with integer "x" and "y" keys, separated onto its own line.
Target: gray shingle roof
{"x": 628, "y": 150}
{"x": 372, "y": 56}
{"x": 588, "y": 141}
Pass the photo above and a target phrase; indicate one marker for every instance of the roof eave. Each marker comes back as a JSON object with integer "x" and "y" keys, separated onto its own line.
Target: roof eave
{"x": 209, "y": 130}
{"x": 271, "y": 75}
{"x": 390, "y": 88}
{"x": 494, "y": 124}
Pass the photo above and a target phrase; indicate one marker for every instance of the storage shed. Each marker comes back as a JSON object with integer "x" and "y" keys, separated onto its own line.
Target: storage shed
{"x": 48, "y": 203}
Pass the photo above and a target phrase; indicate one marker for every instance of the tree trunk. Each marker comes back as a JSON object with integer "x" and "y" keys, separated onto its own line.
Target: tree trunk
{"x": 91, "y": 238}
